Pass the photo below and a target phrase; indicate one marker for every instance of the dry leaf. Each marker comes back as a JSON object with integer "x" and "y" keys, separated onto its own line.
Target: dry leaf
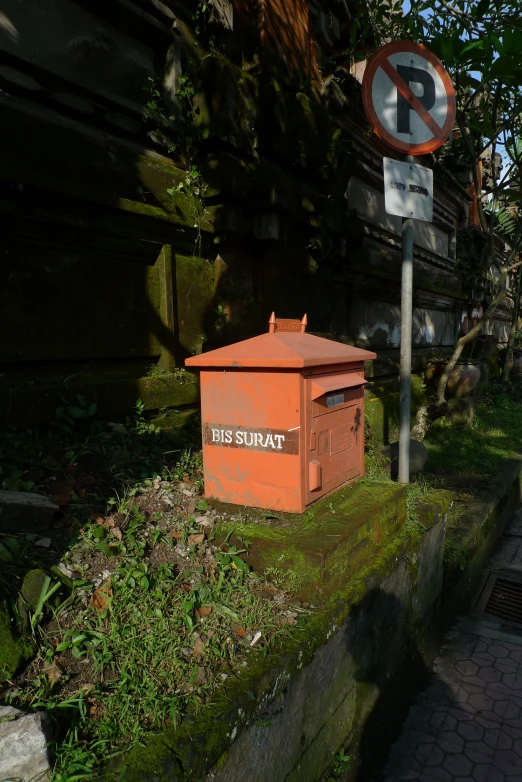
{"x": 97, "y": 517}
{"x": 176, "y": 534}
{"x": 241, "y": 632}
{"x": 204, "y": 611}
{"x": 63, "y": 493}
{"x": 196, "y": 539}
{"x": 86, "y": 688}
{"x": 101, "y": 598}
{"x": 200, "y": 677}
{"x": 53, "y": 671}
{"x": 198, "y": 647}
{"x": 117, "y": 533}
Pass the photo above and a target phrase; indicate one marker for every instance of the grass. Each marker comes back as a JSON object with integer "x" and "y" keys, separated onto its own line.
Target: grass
{"x": 142, "y": 616}
{"x": 482, "y": 448}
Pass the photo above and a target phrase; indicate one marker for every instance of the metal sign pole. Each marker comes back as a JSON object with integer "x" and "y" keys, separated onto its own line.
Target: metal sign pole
{"x": 418, "y": 125}
{"x": 405, "y": 353}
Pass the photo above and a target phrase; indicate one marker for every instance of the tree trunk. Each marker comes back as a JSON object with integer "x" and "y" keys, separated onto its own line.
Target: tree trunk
{"x": 469, "y": 337}
{"x": 514, "y": 323}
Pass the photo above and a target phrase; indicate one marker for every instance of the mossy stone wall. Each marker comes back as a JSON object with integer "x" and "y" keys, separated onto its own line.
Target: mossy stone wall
{"x": 287, "y": 714}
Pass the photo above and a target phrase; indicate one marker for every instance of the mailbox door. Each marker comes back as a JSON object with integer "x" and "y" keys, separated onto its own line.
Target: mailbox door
{"x": 336, "y": 437}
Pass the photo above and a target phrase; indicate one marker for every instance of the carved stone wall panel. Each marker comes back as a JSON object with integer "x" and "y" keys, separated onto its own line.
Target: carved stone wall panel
{"x": 66, "y": 39}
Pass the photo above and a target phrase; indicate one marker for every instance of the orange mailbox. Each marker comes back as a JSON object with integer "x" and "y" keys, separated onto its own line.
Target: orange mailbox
{"x": 283, "y": 418}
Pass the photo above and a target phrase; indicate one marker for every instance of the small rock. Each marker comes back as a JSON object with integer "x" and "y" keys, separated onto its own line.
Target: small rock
{"x": 186, "y": 492}
{"x": 418, "y": 457}
{"x": 186, "y": 651}
{"x": 165, "y": 503}
{"x": 23, "y": 744}
{"x": 30, "y": 594}
{"x": 43, "y": 542}
{"x": 119, "y": 429}
{"x": 22, "y": 511}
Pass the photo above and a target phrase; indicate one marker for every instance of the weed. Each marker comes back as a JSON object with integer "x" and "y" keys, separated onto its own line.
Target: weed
{"x": 341, "y": 765}
{"x": 287, "y": 580}
{"x": 375, "y": 462}
{"x": 45, "y": 595}
{"x": 416, "y": 492}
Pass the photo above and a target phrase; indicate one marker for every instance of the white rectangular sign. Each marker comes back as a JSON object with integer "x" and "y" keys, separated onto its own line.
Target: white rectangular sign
{"x": 408, "y": 190}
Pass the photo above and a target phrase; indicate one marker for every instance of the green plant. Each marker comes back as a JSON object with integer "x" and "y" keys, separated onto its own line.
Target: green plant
{"x": 416, "y": 492}
{"x": 341, "y": 765}
{"x": 194, "y": 186}
{"x": 287, "y": 580}
{"x": 72, "y": 414}
{"x": 221, "y": 318}
{"x": 15, "y": 481}
{"x": 46, "y": 593}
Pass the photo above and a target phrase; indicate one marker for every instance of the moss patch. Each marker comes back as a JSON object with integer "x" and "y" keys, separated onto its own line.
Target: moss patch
{"x": 13, "y": 651}
{"x": 323, "y": 546}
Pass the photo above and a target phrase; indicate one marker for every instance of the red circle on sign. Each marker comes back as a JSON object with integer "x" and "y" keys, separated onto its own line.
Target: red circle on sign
{"x": 380, "y": 60}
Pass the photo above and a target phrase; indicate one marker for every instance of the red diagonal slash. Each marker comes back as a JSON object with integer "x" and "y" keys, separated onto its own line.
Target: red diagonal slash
{"x": 412, "y": 99}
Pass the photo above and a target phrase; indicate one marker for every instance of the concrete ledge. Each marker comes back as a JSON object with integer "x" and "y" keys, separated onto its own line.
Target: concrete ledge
{"x": 471, "y": 540}
{"x": 30, "y": 405}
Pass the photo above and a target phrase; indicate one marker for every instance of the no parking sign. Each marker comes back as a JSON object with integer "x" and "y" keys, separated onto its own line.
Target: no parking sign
{"x": 409, "y": 98}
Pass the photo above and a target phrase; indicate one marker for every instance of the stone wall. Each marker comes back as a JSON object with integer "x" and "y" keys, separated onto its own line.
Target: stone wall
{"x": 117, "y": 264}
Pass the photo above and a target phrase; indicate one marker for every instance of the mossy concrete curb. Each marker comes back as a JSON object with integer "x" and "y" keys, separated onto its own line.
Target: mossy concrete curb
{"x": 286, "y": 714}
{"x": 472, "y": 536}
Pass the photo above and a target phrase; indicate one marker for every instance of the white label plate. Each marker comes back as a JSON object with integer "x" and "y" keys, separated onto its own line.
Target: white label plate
{"x": 408, "y": 190}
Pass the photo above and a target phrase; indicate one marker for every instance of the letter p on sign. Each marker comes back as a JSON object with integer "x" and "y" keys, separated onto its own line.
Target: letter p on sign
{"x": 409, "y": 98}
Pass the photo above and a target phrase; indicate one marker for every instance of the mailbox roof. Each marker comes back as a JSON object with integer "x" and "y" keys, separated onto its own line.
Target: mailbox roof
{"x": 281, "y": 350}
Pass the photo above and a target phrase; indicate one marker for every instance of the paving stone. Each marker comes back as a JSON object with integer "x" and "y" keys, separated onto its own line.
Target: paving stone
{"x": 508, "y": 762}
{"x": 450, "y": 742}
{"x": 458, "y": 765}
{"x": 473, "y": 709}
{"x": 438, "y": 774}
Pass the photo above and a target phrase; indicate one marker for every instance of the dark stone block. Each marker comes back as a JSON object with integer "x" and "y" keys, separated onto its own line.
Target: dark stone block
{"x": 24, "y": 512}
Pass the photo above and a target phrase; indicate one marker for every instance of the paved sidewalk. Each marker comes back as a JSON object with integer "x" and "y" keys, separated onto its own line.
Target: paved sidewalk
{"x": 467, "y": 725}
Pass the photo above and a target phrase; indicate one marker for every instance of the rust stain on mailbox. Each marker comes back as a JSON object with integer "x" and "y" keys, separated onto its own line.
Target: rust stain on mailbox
{"x": 283, "y": 417}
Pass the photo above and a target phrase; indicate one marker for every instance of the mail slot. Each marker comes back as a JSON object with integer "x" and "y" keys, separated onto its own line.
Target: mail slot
{"x": 282, "y": 417}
